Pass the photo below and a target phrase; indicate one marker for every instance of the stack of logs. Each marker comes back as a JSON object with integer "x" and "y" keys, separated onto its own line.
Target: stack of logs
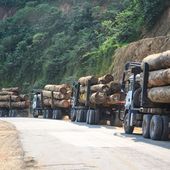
{"x": 57, "y": 96}
{"x": 11, "y": 98}
{"x": 103, "y": 91}
{"x": 159, "y": 77}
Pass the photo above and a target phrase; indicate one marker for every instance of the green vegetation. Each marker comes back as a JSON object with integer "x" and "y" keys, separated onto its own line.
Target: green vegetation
{"x": 59, "y": 40}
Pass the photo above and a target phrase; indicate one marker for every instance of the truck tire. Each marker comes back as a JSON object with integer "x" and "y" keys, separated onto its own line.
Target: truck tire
{"x": 35, "y": 113}
{"x": 49, "y": 114}
{"x": 1, "y": 113}
{"x": 146, "y": 126}
{"x": 78, "y": 116}
{"x": 137, "y": 97}
{"x": 92, "y": 117}
{"x": 166, "y": 129}
{"x": 127, "y": 128}
{"x": 81, "y": 115}
{"x": 44, "y": 114}
{"x": 73, "y": 115}
{"x": 97, "y": 116}
{"x": 115, "y": 121}
{"x": 57, "y": 114}
{"x": 87, "y": 116}
{"x": 156, "y": 127}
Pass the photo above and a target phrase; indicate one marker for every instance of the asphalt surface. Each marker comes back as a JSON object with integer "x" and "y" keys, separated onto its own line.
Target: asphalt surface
{"x": 62, "y": 145}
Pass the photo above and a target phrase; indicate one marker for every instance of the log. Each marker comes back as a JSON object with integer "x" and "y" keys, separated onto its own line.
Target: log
{"x": 99, "y": 88}
{"x": 57, "y": 103}
{"x": 105, "y": 79}
{"x": 56, "y": 95}
{"x": 95, "y": 88}
{"x": 7, "y": 93}
{"x": 24, "y": 97}
{"x": 115, "y": 98}
{"x": 159, "y": 94}
{"x": 98, "y": 98}
{"x": 57, "y": 88}
{"x": 157, "y": 61}
{"x": 83, "y": 89}
{"x": 159, "y": 78}
{"x": 11, "y": 89}
{"x": 84, "y": 80}
{"x": 17, "y": 105}
{"x": 114, "y": 87}
{"x": 8, "y": 98}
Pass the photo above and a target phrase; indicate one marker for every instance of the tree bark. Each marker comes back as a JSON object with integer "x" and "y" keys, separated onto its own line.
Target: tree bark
{"x": 7, "y": 93}
{"x": 159, "y": 94}
{"x": 11, "y": 89}
{"x": 84, "y": 80}
{"x": 24, "y": 97}
{"x": 8, "y": 97}
{"x": 56, "y": 95}
{"x": 57, "y": 103}
{"x": 98, "y": 98}
{"x": 105, "y": 79}
{"x": 114, "y": 87}
{"x": 159, "y": 78}
{"x": 57, "y": 88}
{"x": 99, "y": 88}
{"x": 158, "y": 61}
{"x": 115, "y": 98}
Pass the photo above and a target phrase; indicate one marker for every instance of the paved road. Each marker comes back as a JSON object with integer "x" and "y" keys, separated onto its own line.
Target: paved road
{"x": 61, "y": 145}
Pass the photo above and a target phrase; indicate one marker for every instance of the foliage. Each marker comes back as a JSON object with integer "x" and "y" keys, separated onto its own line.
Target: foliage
{"x": 53, "y": 41}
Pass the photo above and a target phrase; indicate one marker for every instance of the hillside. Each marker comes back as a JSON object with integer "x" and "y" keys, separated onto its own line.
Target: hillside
{"x": 55, "y": 41}
{"x": 155, "y": 41}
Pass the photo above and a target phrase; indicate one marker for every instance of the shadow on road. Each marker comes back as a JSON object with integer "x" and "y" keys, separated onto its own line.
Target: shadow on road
{"x": 94, "y": 126}
{"x": 139, "y": 138}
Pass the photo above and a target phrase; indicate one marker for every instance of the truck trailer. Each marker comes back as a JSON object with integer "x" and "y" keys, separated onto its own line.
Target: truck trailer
{"x": 47, "y": 110}
{"x": 92, "y": 113}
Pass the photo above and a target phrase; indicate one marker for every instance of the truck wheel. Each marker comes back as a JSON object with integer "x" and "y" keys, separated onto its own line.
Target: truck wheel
{"x": 57, "y": 114}
{"x": 115, "y": 121}
{"x": 35, "y": 113}
{"x": 44, "y": 114}
{"x": 128, "y": 129}
{"x": 146, "y": 126}
{"x": 1, "y": 113}
{"x": 166, "y": 129}
{"x": 137, "y": 97}
{"x": 156, "y": 127}
{"x": 97, "y": 116}
{"x": 73, "y": 115}
{"x": 81, "y": 116}
{"x": 91, "y": 117}
{"x": 78, "y": 116}
{"x": 87, "y": 116}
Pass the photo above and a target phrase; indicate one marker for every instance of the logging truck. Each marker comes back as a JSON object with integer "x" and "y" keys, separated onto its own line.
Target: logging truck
{"x": 145, "y": 104}
{"x": 93, "y": 108}
{"x": 49, "y": 108}
{"x": 12, "y": 103}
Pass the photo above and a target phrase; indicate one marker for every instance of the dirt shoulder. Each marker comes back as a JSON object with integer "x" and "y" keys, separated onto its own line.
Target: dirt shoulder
{"x": 11, "y": 152}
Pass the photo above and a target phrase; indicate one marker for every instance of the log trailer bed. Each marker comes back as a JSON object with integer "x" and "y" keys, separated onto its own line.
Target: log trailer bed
{"x": 92, "y": 113}
{"x": 48, "y": 112}
{"x": 154, "y": 118}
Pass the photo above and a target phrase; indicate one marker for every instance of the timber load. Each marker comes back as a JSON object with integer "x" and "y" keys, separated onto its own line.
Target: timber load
{"x": 102, "y": 92}
{"x": 159, "y": 77}
{"x": 55, "y": 96}
{"x": 10, "y": 98}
